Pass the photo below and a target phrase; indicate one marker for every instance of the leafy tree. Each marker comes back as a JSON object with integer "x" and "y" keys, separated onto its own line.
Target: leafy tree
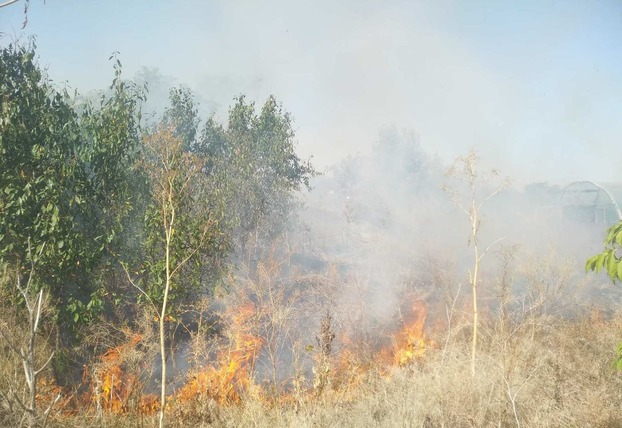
{"x": 253, "y": 163}
{"x": 611, "y": 261}
{"x": 398, "y": 156}
{"x": 173, "y": 174}
{"x": 40, "y": 173}
{"x": 611, "y": 258}
{"x": 64, "y": 179}
{"x": 182, "y": 116}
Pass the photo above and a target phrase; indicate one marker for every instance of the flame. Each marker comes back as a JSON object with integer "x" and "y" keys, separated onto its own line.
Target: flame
{"x": 112, "y": 386}
{"x": 357, "y": 359}
{"x": 410, "y": 341}
{"x": 49, "y": 392}
{"x": 228, "y": 378}
{"x": 231, "y": 375}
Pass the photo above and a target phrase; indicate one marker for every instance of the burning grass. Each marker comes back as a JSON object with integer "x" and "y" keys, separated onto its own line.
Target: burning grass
{"x": 534, "y": 368}
{"x": 550, "y": 372}
{"x": 230, "y": 377}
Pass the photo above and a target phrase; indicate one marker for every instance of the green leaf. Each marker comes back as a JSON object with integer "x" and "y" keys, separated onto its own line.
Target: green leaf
{"x": 600, "y": 261}
{"x": 612, "y": 266}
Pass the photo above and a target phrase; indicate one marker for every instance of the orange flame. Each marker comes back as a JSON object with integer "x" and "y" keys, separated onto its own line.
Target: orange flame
{"x": 227, "y": 379}
{"x": 231, "y": 376}
{"x": 408, "y": 345}
{"x": 410, "y": 341}
{"x": 112, "y": 387}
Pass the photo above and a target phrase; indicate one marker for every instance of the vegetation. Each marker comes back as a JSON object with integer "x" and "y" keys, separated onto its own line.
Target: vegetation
{"x": 465, "y": 168}
{"x": 66, "y": 178}
{"x": 610, "y": 259}
{"x": 155, "y": 273}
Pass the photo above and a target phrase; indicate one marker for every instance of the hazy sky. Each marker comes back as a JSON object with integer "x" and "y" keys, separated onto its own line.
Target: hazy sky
{"x": 535, "y": 86}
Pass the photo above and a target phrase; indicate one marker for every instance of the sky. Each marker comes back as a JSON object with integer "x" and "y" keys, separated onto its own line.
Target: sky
{"x": 534, "y": 86}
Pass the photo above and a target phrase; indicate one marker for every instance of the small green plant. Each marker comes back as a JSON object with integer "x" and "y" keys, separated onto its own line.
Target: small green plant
{"x": 611, "y": 262}
{"x": 610, "y": 259}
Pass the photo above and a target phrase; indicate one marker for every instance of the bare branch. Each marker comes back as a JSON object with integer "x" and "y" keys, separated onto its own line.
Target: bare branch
{"x": 495, "y": 242}
{"x": 10, "y": 342}
{"x": 38, "y": 316}
{"x": 493, "y": 194}
{"x": 45, "y": 364}
{"x": 20, "y": 402}
{"x": 8, "y": 3}
{"x": 129, "y": 278}
{"x": 49, "y": 409}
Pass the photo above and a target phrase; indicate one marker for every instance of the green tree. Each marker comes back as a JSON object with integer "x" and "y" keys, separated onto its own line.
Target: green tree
{"x": 64, "y": 179}
{"x": 182, "y": 116}
{"x": 610, "y": 260}
{"x": 254, "y": 164}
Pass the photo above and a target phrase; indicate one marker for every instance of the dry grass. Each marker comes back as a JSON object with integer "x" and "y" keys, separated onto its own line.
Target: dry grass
{"x": 560, "y": 377}
{"x": 543, "y": 360}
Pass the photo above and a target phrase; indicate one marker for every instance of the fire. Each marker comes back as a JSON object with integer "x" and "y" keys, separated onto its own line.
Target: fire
{"x": 49, "y": 392}
{"x": 231, "y": 375}
{"x": 112, "y": 386}
{"x": 410, "y": 341}
{"x": 228, "y": 378}
{"x": 407, "y": 345}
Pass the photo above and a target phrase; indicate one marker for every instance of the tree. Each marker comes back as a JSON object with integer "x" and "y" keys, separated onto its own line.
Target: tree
{"x": 64, "y": 177}
{"x": 254, "y": 164}
{"x": 175, "y": 235}
{"x": 611, "y": 261}
{"x": 182, "y": 116}
{"x": 471, "y": 203}
{"x": 611, "y": 258}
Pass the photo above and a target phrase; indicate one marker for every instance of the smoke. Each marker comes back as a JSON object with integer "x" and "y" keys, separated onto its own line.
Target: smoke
{"x": 534, "y": 87}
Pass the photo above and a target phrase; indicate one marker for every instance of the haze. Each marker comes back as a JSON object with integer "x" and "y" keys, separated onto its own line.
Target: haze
{"x": 535, "y": 87}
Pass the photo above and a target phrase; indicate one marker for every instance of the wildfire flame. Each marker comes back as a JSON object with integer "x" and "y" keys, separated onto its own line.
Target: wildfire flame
{"x": 407, "y": 345}
{"x": 228, "y": 378}
{"x": 231, "y": 375}
{"x": 410, "y": 341}
{"x": 112, "y": 386}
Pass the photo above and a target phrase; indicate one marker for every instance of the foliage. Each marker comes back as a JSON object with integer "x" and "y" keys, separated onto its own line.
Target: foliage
{"x": 611, "y": 262}
{"x": 176, "y": 233}
{"x": 64, "y": 177}
{"x": 399, "y": 156}
{"x": 253, "y": 164}
{"x": 610, "y": 259}
{"x": 182, "y": 116}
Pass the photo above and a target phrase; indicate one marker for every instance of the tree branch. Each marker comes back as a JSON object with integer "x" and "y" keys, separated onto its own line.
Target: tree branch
{"x": 8, "y": 3}
{"x": 129, "y": 278}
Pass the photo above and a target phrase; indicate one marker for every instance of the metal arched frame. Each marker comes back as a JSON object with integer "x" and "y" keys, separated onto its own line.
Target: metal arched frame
{"x": 612, "y": 202}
